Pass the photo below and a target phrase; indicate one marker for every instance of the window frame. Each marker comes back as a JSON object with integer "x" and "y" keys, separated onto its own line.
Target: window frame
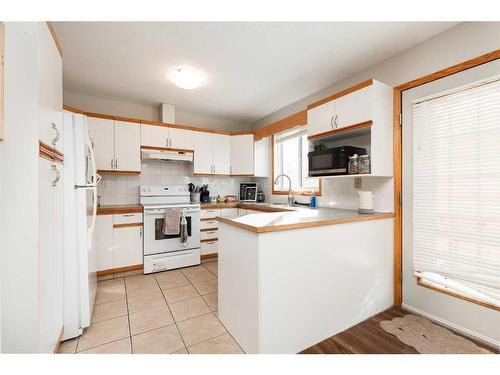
{"x": 274, "y": 154}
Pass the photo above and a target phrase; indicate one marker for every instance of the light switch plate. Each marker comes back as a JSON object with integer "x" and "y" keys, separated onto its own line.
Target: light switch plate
{"x": 357, "y": 182}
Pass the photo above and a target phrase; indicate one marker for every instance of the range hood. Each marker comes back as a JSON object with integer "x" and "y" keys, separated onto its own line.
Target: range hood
{"x": 185, "y": 156}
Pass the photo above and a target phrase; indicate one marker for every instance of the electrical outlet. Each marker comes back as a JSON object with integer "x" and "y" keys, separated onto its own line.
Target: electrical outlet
{"x": 357, "y": 183}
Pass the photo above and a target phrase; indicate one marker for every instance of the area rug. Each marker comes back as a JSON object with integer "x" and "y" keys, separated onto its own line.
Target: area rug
{"x": 429, "y": 338}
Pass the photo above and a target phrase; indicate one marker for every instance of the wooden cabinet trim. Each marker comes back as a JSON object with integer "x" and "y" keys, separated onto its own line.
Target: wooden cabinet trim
{"x": 127, "y": 119}
{"x": 166, "y": 149}
{"x": 127, "y": 225}
{"x": 289, "y": 122}
{"x": 136, "y": 209}
{"x": 50, "y": 153}
{"x": 209, "y": 240}
{"x": 339, "y": 94}
{"x": 209, "y": 256}
{"x": 119, "y": 270}
{"x": 343, "y": 129}
{"x": 54, "y": 36}
{"x": 112, "y": 171}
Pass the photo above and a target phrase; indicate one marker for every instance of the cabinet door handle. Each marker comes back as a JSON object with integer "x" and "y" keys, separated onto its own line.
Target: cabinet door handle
{"x": 112, "y": 163}
{"x": 335, "y": 121}
{"x": 58, "y": 175}
{"x": 140, "y": 231}
{"x": 58, "y": 135}
{"x": 116, "y": 164}
{"x": 331, "y": 122}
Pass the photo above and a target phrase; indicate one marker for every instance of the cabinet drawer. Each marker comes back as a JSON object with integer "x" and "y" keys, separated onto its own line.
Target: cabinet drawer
{"x": 212, "y": 213}
{"x": 209, "y": 247}
{"x": 205, "y": 235}
{"x": 127, "y": 218}
{"x": 205, "y": 224}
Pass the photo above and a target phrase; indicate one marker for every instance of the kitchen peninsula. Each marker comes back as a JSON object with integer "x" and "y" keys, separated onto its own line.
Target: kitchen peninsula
{"x": 291, "y": 278}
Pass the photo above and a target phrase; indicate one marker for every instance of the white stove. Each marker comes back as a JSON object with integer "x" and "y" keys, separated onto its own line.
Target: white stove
{"x": 161, "y": 251}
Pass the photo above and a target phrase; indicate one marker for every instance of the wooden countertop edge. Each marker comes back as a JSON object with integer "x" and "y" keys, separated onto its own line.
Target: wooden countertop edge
{"x": 246, "y": 206}
{"x": 310, "y": 224}
{"x": 210, "y": 206}
{"x": 134, "y": 209}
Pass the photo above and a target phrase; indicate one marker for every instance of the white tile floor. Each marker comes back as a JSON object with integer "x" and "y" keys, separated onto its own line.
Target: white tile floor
{"x": 168, "y": 312}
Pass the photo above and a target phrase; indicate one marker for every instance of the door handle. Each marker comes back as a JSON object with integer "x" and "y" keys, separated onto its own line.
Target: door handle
{"x": 335, "y": 121}
{"x": 58, "y": 135}
{"x": 112, "y": 163}
{"x": 116, "y": 164}
{"x": 58, "y": 175}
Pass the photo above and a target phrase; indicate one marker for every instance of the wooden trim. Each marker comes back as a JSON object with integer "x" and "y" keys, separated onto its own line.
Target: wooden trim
{"x": 397, "y": 165}
{"x": 59, "y": 339}
{"x": 310, "y": 224}
{"x": 50, "y": 153}
{"x": 209, "y": 240}
{"x": 487, "y": 57}
{"x": 116, "y": 210}
{"x": 72, "y": 109}
{"x": 111, "y": 171}
{"x": 243, "y": 132}
{"x": 207, "y": 218}
{"x": 348, "y": 128}
{"x": 211, "y": 175}
{"x": 397, "y": 147}
{"x": 166, "y": 149}
{"x": 99, "y": 115}
{"x": 54, "y": 36}
{"x": 339, "y": 94}
{"x": 208, "y": 229}
{"x": 120, "y": 269}
{"x": 453, "y": 293}
{"x": 127, "y": 225}
{"x": 289, "y": 122}
{"x": 127, "y": 119}
{"x": 209, "y": 256}
{"x": 242, "y": 174}
{"x": 211, "y": 206}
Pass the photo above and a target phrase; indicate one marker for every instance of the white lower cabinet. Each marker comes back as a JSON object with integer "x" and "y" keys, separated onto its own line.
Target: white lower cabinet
{"x": 127, "y": 249}
{"x": 104, "y": 242}
{"x": 118, "y": 241}
{"x": 210, "y": 247}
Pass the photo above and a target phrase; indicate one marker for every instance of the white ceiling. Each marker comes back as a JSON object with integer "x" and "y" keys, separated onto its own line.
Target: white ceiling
{"x": 253, "y": 69}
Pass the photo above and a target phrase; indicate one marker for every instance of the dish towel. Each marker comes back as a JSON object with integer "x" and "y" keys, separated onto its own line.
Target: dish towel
{"x": 171, "y": 222}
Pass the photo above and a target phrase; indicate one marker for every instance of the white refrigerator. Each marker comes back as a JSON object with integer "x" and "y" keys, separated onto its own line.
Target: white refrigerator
{"x": 80, "y": 204}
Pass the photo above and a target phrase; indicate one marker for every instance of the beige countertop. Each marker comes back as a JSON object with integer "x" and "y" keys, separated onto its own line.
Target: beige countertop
{"x": 285, "y": 218}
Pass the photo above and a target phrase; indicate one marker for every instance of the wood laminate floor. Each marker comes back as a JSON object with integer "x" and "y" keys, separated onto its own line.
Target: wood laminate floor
{"x": 368, "y": 337}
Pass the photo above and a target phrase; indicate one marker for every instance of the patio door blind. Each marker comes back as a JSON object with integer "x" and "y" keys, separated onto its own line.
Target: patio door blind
{"x": 456, "y": 190}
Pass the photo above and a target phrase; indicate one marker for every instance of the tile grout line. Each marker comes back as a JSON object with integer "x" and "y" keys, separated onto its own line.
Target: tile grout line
{"x": 128, "y": 317}
{"x": 176, "y": 326}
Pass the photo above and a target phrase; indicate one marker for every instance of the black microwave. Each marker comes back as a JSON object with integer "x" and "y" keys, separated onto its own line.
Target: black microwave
{"x": 332, "y": 161}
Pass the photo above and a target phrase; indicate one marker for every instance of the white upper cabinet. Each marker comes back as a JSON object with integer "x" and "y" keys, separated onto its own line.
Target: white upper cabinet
{"x": 154, "y": 136}
{"x": 203, "y": 153}
{"x": 221, "y": 154}
{"x": 102, "y": 135}
{"x": 49, "y": 89}
{"x": 355, "y": 108}
{"x": 321, "y": 119}
{"x": 117, "y": 145}
{"x": 181, "y": 139}
{"x": 166, "y": 137}
{"x": 242, "y": 157}
{"x": 369, "y": 103}
{"x": 127, "y": 146}
{"x": 262, "y": 158}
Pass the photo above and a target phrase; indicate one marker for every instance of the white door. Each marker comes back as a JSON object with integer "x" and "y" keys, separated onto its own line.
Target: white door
{"x": 181, "y": 139}
{"x": 455, "y": 311}
{"x": 154, "y": 136}
{"x": 354, "y": 108}
{"x": 320, "y": 119}
{"x": 203, "y": 157}
{"x": 242, "y": 158}
{"x": 127, "y": 146}
{"x": 103, "y": 242}
{"x": 221, "y": 154}
{"x": 127, "y": 246}
{"x": 102, "y": 136}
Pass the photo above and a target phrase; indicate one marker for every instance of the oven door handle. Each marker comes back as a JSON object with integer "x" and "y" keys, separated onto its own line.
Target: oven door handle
{"x": 156, "y": 212}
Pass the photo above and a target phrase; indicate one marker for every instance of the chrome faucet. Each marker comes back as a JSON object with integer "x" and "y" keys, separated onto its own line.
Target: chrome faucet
{"x": 291, "y": 198}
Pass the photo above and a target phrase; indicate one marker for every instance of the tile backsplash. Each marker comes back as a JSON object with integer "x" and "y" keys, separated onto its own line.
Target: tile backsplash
{"x": 124, "y": 189}
{"x": 337, "y": 193}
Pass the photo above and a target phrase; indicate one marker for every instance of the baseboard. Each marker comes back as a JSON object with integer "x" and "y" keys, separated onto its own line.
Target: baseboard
{"x": 119, "y": 270}
{"x": 209, "y": 256}
{"x": 455, "y": 327}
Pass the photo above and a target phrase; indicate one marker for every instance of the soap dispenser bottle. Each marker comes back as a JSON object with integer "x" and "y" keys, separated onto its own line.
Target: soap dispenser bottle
{"x": 312, "y": 201}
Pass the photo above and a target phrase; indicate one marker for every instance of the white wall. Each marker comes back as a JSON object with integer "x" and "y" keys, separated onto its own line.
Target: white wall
{"x": 145, "y": 112}
{"x": 463, "y": 42}
{"x": 19, "y": 198}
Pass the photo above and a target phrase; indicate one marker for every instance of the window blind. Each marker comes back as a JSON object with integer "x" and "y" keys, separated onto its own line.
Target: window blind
{"x": 456, "y": 190}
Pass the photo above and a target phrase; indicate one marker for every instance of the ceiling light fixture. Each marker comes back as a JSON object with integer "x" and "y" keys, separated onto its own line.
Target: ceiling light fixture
{"x": 186, "y": 78}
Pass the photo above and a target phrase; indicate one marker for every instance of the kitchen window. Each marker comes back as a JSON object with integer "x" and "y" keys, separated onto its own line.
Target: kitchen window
{"x": 456, "y": 185}
{"x": 290, "y": 157}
